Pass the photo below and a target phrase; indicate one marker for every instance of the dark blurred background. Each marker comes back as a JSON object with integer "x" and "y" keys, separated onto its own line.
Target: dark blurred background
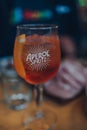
{"x": 69, "y": 15}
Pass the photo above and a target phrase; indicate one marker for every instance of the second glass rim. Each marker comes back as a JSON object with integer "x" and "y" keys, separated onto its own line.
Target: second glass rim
{"x": 37, "y": 26}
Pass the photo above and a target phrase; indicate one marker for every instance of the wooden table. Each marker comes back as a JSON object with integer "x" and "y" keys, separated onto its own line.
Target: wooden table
{"x": 71, "y": 116}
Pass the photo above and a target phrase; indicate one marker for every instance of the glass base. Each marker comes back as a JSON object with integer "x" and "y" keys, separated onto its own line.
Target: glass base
{"x": 18, "y": 107}
{"x": 40, "y": 120}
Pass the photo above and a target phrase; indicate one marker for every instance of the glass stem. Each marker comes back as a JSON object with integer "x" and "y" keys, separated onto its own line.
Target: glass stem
{"x": 39, "y": 94}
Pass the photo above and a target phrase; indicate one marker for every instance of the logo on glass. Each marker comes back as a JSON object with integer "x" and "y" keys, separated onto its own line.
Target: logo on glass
{"x": 37, "y": 57}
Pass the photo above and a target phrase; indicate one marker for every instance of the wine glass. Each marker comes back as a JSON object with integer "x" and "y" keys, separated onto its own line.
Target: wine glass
{"x": 36, "y": 60}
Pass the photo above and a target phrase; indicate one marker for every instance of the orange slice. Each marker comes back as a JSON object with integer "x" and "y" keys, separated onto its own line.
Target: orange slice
{"x": 19, "y": 42}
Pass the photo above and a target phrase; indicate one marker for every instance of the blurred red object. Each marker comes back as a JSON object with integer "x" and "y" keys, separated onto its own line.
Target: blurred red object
{"x": 69, "y": 81}
{"x": 68, "y": 47}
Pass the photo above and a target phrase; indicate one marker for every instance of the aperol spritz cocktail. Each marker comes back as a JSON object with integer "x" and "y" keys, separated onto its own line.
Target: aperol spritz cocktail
{"x": 37, "y": 57}
{"x": 36, "y": 60}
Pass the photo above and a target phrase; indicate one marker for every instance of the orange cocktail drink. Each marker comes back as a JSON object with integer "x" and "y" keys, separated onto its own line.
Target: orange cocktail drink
{"x": 37, "y": 57}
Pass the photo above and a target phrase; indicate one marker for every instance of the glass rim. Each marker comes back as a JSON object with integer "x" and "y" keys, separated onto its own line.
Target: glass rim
{"x": 37, "y": 26}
